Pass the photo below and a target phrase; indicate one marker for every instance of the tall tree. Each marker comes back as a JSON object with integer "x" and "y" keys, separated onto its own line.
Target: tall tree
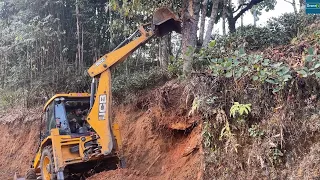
{"x": 241, "y": 20}
{"x": 255, "y": 13}
{"x": 234, "y": 13}
{"x": 211, "y": 22}
{"x": 224, "y": 15}
{"x": 165, "y": 50}
{"x": 203, "y": 20}
{"x": 78, "y": 56}
{"x": 302, "y": 6}
{"x": 190, "y": 18}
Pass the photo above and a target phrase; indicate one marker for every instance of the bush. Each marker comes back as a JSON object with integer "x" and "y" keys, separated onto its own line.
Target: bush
{"x": 175, "y": 67}
{"x": 290, "y": 25}
{"x": 11, "y": 98}
{"x": 123, "y": 85}
{"x": 261, "y": 37}
{"x": 278, "y": 31}
{"x": 260, "y": 70}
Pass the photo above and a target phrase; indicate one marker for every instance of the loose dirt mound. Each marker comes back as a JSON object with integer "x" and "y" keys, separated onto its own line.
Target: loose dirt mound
{"x": 151, "y": 149}
{"x": 19, "y": 140}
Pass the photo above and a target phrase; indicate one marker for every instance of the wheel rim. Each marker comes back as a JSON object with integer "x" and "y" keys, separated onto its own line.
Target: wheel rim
{"x": 45, "y": 168}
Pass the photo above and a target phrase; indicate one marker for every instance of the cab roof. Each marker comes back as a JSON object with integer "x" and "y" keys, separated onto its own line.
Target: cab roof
{"x": 70, "y": 95}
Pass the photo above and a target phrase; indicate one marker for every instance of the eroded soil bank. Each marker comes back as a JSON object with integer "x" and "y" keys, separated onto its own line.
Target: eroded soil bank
{"x": 160, "y": 140}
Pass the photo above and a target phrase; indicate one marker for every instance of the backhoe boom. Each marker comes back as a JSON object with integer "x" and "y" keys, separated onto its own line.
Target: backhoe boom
{"x": 74, "y": 143}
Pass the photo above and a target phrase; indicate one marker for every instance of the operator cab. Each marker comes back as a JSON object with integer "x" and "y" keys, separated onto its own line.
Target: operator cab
{"x": 60, "y": 110}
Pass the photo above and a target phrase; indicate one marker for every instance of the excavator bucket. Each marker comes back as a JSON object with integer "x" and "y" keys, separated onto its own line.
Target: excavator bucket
{"x": 165, "y": 21}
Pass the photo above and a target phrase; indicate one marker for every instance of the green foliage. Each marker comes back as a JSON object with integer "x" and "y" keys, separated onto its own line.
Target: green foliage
{"x": 278, "y": 31}
{"x": 10, "y": 98}
{"x": 39, "y": 44}
{"x": 290, "y": 25}
{"x": 254, "y": 131}
{"x": 260, "y": 37}
{"x": 240, "y": 111}
{"x": 175, "y": 67}
{"x": 250, "y": 38}
{"x": 266, "y": 5}
{"x": 311, "y": 66}
{"x": 123, "y": 84}
{"x": 275, "y": 156}
{"x": 261, "y": 70}
{"x": 207, "y": 135}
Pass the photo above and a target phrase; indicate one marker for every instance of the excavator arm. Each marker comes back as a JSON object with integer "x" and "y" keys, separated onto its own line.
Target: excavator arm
{"x": 164, "y": 21}
{"x": 118, "y": 55}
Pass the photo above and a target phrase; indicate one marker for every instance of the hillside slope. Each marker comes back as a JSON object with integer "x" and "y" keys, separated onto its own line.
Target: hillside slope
{"x": 152, "y": 149}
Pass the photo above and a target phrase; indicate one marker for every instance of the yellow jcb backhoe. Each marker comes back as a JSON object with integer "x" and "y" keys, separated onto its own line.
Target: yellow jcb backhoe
{"x": 79, "y": 136}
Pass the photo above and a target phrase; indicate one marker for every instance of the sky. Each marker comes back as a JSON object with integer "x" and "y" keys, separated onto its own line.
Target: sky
{"x": 280, "y": 8}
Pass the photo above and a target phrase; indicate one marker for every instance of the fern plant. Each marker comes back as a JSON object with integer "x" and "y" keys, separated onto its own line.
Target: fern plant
{"x": 240, "y": 111}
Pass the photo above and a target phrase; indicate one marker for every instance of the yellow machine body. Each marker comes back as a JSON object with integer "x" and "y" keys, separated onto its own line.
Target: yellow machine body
{"x": 61, "y": 144}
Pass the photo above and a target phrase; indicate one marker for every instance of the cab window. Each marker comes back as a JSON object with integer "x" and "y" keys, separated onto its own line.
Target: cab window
{"x": 61, "y": 119}
{"x": 51, "y": 123}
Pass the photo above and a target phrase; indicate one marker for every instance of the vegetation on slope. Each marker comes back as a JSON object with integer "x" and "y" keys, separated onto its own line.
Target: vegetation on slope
{"x": 260, "y": 108}
{"x": 256, "y": 89}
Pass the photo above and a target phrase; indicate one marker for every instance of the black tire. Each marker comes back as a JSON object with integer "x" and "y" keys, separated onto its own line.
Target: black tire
{"x": 47, "y": 152}
{"x": 31, "y": 174}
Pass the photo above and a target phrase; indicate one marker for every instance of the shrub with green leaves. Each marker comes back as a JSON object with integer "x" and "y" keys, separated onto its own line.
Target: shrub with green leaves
{"x": 175, "y": 66}
{"x": 290, "y": 24}
{"x": 261, "y": 70}
{"x": 312, "y": 65}
{"x": 278, "y": 31}
{"x": 261, "y": 37}
{"x": 275, "y": 156}
{"x": 123, "y": 84}
{"x": 255, "y": 131}
{"x": 240, "y": 111}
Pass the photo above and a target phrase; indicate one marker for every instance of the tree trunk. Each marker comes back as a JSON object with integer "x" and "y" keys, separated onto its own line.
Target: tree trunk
{"x": 82, "y": 39}
{"x": 211, "y": 23}
{"x": 230, "y": 18}
{"x": 302, "y": 6}
{"x": 255, "y": 18}
{"x": 78, "y": 59}
{"x": 241, "y": 18}
{"x": 241, "y": 21}
{"x": 190, "y": 20}
{"x": 223, "y": 25}
{"x": 203, "y": 21}
{"x": 165, "y": 50}
{"x": 231, "y": 23}
{"x": 294, "y": 7}
{"x": 224, "y": 18}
